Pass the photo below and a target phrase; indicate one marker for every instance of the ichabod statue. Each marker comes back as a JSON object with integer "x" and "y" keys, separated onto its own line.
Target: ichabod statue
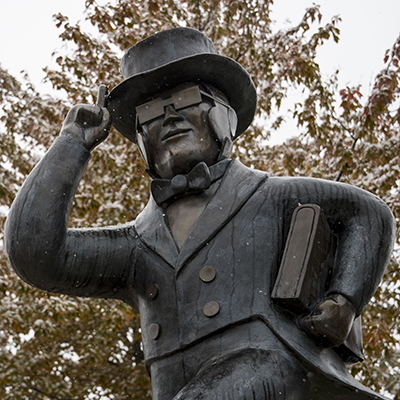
{"x": 201, "y": 261}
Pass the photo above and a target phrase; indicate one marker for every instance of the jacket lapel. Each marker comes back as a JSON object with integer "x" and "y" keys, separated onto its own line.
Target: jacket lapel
{"x": 237, "y": 185}
{"x": 153, "y": 230}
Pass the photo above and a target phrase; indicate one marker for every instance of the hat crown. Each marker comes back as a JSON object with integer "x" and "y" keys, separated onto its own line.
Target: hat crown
{"x": 163, "y": 48}
{"x": 170, "y": 58}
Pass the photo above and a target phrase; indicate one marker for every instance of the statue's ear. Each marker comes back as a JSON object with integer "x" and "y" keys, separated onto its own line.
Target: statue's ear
{"x": 142, "y": 148}
{"x": 219, "y": 121}
{"x": 222, "y": 120}
{"x": 233, "y": 121}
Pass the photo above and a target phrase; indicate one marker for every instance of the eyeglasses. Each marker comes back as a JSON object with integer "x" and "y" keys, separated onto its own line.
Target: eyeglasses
{"x": 181, "y": 99}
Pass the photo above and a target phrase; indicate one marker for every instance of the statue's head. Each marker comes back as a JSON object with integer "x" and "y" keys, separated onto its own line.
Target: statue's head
{"x": 181, "y": 102}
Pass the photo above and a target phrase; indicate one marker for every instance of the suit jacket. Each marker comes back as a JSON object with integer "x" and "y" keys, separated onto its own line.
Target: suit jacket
{"x": 240, "y": 234}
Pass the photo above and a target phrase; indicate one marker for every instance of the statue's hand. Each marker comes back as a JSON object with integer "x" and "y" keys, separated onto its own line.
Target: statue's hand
{"x": 330, "y": 323}
{"x": 89, "y": 125}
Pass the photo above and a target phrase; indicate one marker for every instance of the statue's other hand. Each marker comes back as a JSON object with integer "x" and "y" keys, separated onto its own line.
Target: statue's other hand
{"x": 87, "y": 124}
{"x": 330, "y": 322}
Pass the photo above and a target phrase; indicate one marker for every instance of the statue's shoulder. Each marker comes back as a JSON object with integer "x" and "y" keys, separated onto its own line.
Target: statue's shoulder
{"x": 305, "y": 184}
{"x": 237, "y": 170}
{"x": 112, "y": 231}
{"x": 330, "y": 195}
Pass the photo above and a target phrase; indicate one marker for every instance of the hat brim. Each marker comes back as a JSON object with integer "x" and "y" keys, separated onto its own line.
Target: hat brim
{"x": 222, "y": 72}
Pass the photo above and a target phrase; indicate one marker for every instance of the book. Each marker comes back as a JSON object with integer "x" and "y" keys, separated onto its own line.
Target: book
{"x": 306, "y": 269}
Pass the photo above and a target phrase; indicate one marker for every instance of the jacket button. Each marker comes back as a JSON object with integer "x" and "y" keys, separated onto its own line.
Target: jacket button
{"x": 155, "y": 331}
{"x": 152, "y": 291}
{"x": 207, "y": 274}
{"x": 211, "y": 309}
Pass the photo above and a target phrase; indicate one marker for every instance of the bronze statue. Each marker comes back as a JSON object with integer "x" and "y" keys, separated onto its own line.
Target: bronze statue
{"x": 202, "y": 259}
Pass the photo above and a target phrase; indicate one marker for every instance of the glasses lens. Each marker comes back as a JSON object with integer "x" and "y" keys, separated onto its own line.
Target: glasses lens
{"x": 181, "y": 99}
{"x": 150, "y": 110}
{"x": 186, "y": 97}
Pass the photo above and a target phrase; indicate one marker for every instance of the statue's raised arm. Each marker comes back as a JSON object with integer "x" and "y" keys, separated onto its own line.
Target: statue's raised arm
{"x": 40, "y": 247}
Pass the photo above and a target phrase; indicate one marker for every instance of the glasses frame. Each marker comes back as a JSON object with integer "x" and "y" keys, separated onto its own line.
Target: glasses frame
{"x": 181, "y": 99}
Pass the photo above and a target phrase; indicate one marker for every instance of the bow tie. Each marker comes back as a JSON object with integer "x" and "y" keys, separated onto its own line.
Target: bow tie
{"x": 200, "y": 178}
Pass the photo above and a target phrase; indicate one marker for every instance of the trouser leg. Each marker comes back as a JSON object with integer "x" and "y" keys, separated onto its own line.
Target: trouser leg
{"x": 250, "y": 374}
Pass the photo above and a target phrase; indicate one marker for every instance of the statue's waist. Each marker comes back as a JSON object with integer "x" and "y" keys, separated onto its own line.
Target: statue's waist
{"x": 252, "y": 333}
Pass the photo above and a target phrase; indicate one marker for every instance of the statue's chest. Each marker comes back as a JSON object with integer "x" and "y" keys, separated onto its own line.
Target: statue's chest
{"x": 183, "y": 214}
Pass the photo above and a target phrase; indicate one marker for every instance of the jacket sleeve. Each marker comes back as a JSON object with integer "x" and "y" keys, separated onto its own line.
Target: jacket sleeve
{"x": 44, "y": 253}
{"x": 365, "y": 230}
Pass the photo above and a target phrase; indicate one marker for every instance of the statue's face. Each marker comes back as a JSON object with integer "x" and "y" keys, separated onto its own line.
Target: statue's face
{"x": 180, "y": 138}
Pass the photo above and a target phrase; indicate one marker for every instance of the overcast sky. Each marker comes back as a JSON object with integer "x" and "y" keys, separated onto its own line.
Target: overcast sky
{"x": 28, "y": 35}
{"x": 368, "y": 28}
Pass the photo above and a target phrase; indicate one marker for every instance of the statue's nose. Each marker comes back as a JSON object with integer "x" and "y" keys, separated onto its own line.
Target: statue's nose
{"x": 171, "y": 115}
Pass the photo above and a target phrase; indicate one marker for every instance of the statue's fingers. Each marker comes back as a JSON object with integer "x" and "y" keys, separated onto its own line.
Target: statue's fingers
{"x": 106, "y": 116}
{"x": 102, "y": 96}
{"x": 89, "y": 116}
{"x": 72, "y": 113}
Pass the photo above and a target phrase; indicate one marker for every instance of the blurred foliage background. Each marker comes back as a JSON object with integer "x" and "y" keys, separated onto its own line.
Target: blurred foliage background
{"x": 59, "y": 347}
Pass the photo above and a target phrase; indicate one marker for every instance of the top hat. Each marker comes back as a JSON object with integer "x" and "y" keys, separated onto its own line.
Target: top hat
{"x": 172, "y": 57}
